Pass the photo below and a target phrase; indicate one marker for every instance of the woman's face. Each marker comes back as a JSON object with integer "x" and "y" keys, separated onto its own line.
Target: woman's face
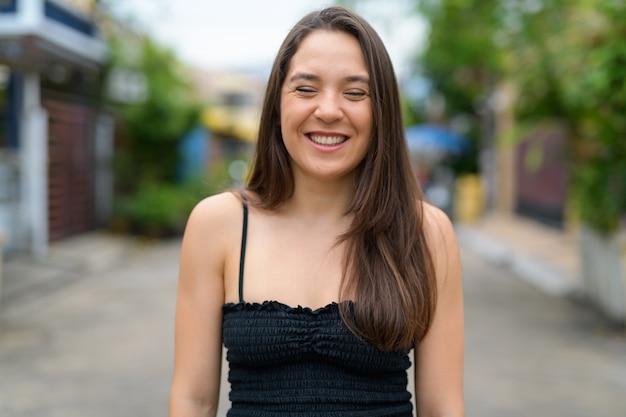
{"x": 325, "y": 106}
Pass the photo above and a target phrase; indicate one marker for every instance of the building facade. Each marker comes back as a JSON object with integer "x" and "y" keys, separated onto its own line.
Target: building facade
{"x": 55, "y": 140}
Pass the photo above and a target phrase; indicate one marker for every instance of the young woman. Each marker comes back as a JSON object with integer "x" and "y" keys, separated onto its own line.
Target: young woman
{"x": 329, "y": 268}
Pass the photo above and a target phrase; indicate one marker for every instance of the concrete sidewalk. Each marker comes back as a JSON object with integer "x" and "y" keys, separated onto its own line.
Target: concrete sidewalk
{"x": 545, "y": 257}
{"x": 88, "y": 331}
{"x": 74, "y": 258}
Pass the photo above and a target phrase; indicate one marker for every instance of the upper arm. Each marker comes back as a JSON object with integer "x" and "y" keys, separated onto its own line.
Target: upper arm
{"x": 198, "y": 324}
{"x": 439, "y": 356}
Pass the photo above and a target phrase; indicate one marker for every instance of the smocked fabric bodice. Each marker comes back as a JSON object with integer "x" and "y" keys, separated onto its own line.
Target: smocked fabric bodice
{"x": 297, "y": 362}
{"x": 300, "y": 362}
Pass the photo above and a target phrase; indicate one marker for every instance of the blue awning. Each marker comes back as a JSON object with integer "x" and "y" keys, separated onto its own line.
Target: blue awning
{"x": 431, "y": 138}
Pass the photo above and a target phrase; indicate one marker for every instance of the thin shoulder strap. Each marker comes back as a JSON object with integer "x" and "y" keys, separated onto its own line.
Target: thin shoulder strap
{"x": 242, "y": 255}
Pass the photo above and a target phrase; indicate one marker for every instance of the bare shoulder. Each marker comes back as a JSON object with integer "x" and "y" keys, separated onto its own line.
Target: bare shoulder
{"x": 217, "y": 207}
{"x": 437, "y": 225}
{"x": 214, "y": 219}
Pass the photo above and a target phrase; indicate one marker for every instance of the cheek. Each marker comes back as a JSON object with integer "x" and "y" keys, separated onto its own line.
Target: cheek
{"x": 364, "y": 116}
{"x": 367, "y": 127}
{"x": 285, "y": 112}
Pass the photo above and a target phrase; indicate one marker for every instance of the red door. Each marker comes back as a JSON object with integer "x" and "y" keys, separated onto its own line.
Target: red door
{"x": 71, "y": 205}
{"x": 541, "y": 177}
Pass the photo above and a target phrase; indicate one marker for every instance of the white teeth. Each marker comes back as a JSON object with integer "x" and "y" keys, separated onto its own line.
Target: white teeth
{"x": 328, "y": 140}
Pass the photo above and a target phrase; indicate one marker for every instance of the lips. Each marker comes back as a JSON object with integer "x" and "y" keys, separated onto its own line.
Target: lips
{"x": 327, "y": 140}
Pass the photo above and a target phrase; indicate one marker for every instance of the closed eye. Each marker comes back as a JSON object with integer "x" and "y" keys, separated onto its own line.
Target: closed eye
{"x": 356, "y": 94}
{"x": 305, "y": 90}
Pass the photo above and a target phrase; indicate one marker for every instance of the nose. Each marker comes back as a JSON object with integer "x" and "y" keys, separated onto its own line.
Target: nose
{"x": 329, "y": 108}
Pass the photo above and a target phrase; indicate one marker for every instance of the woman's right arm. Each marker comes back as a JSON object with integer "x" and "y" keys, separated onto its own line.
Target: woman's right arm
{"x": 198, "y": 324}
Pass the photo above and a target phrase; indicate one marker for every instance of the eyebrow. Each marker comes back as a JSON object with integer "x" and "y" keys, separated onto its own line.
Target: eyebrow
{"x": 312, "y": 77}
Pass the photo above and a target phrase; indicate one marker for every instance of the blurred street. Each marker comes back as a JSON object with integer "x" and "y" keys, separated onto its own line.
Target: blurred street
{"x": 124, "y": 114}
{"x": 89, "y": 332}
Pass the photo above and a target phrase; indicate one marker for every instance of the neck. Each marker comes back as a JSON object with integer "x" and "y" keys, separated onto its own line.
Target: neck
{"x": 315, "y": 201}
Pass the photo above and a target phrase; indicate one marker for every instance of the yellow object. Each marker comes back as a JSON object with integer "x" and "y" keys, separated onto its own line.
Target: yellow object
{"x": 238, "y": 123}
{"x": 469, "y": 202}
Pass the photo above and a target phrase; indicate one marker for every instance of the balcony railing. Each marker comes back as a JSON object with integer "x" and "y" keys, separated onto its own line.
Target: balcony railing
{"x": 8, "y": 6}
{"x": 60, "y": 14}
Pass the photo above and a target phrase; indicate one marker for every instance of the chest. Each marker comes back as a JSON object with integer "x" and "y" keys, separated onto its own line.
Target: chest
{"x": 294, "y": 264}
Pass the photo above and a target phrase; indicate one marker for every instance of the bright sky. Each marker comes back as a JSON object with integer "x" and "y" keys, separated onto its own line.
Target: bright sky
{"x": 226, "y": 34}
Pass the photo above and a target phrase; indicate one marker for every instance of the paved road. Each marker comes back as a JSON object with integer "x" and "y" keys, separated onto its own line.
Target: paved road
{"x": 100, "y": 344}
{"x": 529, "y": 354}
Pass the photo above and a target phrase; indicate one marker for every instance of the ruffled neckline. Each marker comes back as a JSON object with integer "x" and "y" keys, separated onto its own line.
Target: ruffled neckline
{"x": 273, "y": 305}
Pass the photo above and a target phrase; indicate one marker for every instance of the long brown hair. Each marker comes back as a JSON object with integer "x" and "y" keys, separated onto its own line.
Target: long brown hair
{"x": 388, "y": 266}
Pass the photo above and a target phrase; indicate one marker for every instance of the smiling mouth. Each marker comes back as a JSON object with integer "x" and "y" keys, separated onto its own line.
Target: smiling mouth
{"x": 327, "y": 140}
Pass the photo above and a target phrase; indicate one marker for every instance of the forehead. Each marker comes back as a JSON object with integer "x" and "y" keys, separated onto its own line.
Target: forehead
{"x": 325, "y": 52}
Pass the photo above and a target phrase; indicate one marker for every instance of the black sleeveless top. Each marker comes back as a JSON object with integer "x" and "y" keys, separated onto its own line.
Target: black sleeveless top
{"x": 296, "y": 361}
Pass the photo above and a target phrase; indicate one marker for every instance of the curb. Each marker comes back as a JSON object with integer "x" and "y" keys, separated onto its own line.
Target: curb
{"x": 540, "y": 273}
{"x": 28, "y": 279}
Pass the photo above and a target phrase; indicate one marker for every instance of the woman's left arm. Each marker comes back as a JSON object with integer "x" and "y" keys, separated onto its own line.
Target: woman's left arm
{"x": 439, "y": 356}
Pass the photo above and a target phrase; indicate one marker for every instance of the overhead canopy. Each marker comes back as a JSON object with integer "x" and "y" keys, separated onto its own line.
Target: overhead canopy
{"x": 433, "y": 142}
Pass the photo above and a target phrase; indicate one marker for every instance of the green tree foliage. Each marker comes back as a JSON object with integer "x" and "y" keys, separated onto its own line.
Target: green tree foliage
{"x": 568, "y": 59}
{"x": 460, "y": 57}
{"x": 148, "y": 196}
{"x": 463, "y": 63}
{"x": 152, "y": 128}
{"x": 599, "y": 93}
